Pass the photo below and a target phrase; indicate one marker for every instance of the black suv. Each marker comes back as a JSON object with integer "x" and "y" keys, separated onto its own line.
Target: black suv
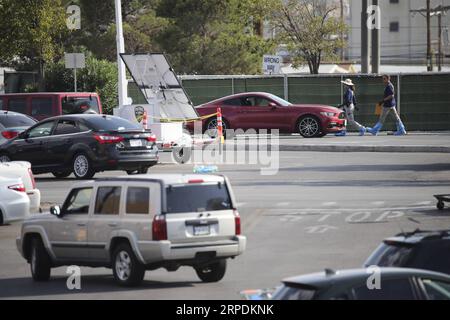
{"x": 429, "y": 250}
{"x": 83, "y": 144}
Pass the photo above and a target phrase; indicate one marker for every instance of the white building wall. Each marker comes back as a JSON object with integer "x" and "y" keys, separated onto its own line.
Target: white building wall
{"x": 406, "y": 45}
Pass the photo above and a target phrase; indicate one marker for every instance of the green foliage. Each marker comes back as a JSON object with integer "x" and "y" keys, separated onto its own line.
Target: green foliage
{"x": 213, "y": 36}
{"x": 31, "y": 33}
{"x": 99, "y": 76}
{"x": 311, "y": 30}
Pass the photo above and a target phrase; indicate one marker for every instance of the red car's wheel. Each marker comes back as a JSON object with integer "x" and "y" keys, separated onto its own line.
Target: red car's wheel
{"x": 309, "y": 127}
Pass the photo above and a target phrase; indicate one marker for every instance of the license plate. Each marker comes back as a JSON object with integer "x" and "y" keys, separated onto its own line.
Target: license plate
{"x": 135, "y": 143}
{"x": 201, "y": 230}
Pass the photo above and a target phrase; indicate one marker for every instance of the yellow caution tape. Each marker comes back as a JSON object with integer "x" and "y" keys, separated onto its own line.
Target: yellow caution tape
{"x": 166, "y": 120}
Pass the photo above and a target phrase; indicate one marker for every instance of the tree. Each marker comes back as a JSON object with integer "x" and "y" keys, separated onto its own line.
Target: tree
{"x": 31, "y": 34}
{"x": 311, "y": 30}
{"x": 213, "y": 36}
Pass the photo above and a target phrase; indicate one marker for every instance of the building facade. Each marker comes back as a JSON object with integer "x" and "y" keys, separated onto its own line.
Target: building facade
{"x": 403, "y": 34}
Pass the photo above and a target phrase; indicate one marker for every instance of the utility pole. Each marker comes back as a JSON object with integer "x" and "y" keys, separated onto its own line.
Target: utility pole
{"x": 428, "y": 13}
{"x": 376, "y": 43}
{"x": 429, "y": 57}
{"x": 342, "y": 32}
{"x": 122, "y": 84}
{"x": 364, "y": 38}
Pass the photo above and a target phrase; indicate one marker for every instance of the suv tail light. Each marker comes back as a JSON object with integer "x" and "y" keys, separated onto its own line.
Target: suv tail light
{"x": 9, "y": 134}
{"x": 151, "y": 138}
{"x": 159, "y": 228}
{"x": 17, "y": 187}
{"x": 33, "y": 182}
{"x": 237, "y": 222}
{"x": 107, "y": 138}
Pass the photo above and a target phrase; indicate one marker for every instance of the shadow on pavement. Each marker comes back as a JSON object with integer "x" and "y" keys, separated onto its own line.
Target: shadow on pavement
{"x": 27, "y": 288}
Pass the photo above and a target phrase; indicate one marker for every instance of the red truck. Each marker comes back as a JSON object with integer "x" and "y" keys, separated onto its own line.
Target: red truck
{"x": 44, "y": 105}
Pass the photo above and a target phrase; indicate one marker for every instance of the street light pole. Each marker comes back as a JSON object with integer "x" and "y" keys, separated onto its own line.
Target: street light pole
{"x": 122, "y": 84}
{"x": 376, "y": 43}
{"x": 364, "y": 38}
{"x": 429, "y": 57}
{"x": 440, "y": 42}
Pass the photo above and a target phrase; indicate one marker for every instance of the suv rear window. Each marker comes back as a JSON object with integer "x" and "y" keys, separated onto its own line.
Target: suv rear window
{"x": 109, "y": 123}
{"x": 16, "y": 120}
{"x": 291, "y": 293}
{"x": 74, "y": 105}
{"x": 198, "y": 198}
{"x": 390, "y": 255}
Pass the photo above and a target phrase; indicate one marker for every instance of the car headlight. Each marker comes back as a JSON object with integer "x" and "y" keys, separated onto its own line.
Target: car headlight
{"x": 328, "y": 114}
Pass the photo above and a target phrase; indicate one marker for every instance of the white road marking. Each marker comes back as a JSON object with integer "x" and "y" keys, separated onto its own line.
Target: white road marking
{"x": 423, "y": 203}
{"x": 378, "y": 203}
{"x": 329, "y": 204}
{"x": 283, "y": 204}
{"x": 320, "y": 229}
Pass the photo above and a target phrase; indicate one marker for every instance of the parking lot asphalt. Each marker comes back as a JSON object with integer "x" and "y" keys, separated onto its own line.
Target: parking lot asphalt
{"x": 322, "y": 210}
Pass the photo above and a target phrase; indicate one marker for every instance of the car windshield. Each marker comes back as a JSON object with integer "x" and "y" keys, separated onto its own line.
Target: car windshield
{"x": 390, "y": 255}
{"x": 16, "y": 120}
{"x": 198, "y": 198}
{"x": 280, "y": 101}
{"x": 108, "y": 123}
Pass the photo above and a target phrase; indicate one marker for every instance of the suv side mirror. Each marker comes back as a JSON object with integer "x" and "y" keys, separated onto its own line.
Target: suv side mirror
{"x": 56, "y": 211}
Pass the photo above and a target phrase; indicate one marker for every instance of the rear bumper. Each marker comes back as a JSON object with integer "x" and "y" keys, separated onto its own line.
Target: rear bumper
{"x": 164, "y": 251}
{"x": 16, "y": 209}
{"x": 129, "y": 160}
{"x": 35, "y": 200}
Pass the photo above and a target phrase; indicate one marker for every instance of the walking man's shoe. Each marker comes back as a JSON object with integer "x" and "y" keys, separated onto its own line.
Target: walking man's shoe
{"x": 401, "y": 131}
{"x": 341, "y": 134}
{"x": 374, "y": 131}
{"x": 362, "y": 131}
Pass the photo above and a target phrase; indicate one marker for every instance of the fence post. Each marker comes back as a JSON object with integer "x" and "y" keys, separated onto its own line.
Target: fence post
{"x": 398, "y": 93}
{"x": 342, "y": 90}
{"x": 286, "y": 87}
{"x": 232, "y": 85}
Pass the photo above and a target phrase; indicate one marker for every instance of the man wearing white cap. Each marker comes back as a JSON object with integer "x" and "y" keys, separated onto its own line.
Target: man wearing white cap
{"x": 349, "y": 107}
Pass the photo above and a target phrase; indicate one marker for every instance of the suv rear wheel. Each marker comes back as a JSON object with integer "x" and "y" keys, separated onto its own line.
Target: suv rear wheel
{"x": 127, "y": 270}
{"x": 213, "y": 272}
{"x": 82, "y": 166}
{"x": 40, "y": 262}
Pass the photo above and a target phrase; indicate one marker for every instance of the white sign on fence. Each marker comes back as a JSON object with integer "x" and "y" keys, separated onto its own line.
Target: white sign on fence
{"x": 271, "y": 64}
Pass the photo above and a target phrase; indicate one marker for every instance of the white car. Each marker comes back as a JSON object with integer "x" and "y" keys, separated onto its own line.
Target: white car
{"x": 14, "y": 203}
{"x": 22, "y": 169}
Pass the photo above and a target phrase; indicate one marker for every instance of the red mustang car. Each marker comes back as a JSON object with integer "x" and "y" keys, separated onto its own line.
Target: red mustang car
{"x": 260, "y": 110}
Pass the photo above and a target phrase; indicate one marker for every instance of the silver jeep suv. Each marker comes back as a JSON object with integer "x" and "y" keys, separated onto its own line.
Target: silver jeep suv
{"x": 136, "y": 224}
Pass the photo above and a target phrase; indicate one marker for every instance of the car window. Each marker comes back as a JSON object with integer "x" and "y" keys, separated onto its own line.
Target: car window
{"x": 11, "y": 120}
{"x": 108, "y": 200}
{"x": 41, "y": 130}
{"x": 390, "y": 255}
{"x": 41, "y": 107}
{"x": 291, "y": 293}
{"x": 74, "y": 105}
{"x": 197, "y": 198}
{"x": 17, "y": 105}
{"x": 138, "y": 200}
{"x": 78, "y": 201}
{"x": 110, "y": 123}
{"x": 432, "y": 255}
{"x": 66, "y": 127}
{"x": 232, "y": 102}
{"x": 391, "y": 289}
{"x": 436, "y": 290}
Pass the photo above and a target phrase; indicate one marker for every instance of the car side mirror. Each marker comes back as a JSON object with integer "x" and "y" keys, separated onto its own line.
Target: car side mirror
{"x": 56, "y": 211}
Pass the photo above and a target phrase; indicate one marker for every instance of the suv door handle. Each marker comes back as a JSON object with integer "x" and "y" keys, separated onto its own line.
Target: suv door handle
{"x": 112, "y": 224}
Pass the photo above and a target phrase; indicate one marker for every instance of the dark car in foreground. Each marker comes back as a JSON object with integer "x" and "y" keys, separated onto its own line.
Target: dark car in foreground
{"x": 13, "y": 123}
{"x": 394, "y": 284}
{"x": 429, "y": 250}
{"x": 83, "y": 144}
{"x": 260, "y": 110}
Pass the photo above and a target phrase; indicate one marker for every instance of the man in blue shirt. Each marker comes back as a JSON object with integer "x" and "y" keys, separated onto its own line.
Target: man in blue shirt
{"x": 389, "y": 105}
{"x": 349, "y": 107}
